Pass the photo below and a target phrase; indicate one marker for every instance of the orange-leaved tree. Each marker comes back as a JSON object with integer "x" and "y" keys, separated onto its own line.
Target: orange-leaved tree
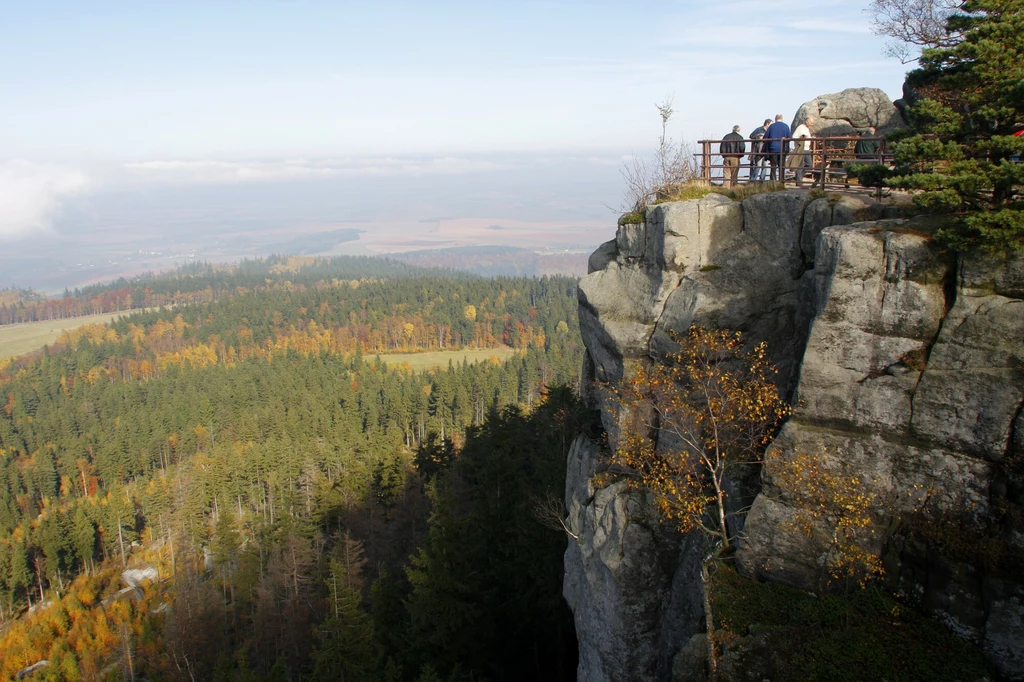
{"x": 696, "y": 416}
{"x": 848, "y": 514}
{"x": 830, "y": 497}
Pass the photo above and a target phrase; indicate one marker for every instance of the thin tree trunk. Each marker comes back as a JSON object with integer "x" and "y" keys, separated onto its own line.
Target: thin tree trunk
{"x": 170, "y": 541}
{"x": 126, "y": 640}
{"x": 120, "y": 540}
{"x": 709, "y": 621}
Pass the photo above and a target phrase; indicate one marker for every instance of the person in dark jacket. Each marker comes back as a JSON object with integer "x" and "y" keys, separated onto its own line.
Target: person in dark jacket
{"x": 758, "y": 159}
{"x": 866, "y": 150}
{"x": 732, "y": 149}
{"x": 776, "y": 147}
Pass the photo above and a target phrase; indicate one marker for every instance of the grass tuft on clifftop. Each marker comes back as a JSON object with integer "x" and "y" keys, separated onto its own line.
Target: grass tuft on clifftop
{"x": 785, "y": 634}
{"x": 741, "y": 192}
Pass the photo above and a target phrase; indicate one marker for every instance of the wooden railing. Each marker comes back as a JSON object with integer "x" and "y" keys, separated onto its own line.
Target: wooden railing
{"x": 824, "y": 162}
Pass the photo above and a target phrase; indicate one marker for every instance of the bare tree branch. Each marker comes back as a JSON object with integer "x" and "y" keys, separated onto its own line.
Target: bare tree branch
{"x": 913, "y": 25}
{"x": 549, "y": 510}
{"x": 673, "y": 164}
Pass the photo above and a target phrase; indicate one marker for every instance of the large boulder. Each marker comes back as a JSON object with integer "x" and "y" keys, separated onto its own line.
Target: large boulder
{"x": 133, "y": 577}
{"x": 850, "y": 112}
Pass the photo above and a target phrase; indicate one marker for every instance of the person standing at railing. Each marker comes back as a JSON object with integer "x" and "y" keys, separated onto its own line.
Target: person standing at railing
{"x": 732, "y": 149}
{"x": 758, "y": 158}
{"x": 865, "y": 149}
{"x": 774, "y": 141}
{"x": 801, "y": 156}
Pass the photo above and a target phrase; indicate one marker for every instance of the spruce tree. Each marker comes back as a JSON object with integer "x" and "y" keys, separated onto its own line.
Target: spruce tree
{"x": 345, "y": 649}
{"x": 83, "y": 538}
{"x": 963, "y": 158}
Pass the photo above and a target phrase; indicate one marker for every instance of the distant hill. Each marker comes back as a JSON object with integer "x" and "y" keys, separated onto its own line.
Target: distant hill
{"x": 492, "y": 261}
{"x": 202, "y": 282}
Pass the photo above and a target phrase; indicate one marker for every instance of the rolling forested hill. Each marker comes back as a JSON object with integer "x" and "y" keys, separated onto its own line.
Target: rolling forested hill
{"x": 199, "y": 282}
{"x": 313, "y": 513}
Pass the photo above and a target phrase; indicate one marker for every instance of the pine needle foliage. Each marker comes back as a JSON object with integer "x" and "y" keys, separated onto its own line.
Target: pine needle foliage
{"x": 964, "y": 158}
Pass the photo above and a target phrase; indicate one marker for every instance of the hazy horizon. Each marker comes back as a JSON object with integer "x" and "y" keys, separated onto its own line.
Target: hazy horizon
{"x": 221, "y": 130}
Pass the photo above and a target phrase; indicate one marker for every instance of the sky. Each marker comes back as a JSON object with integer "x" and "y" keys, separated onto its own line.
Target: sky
{"x": 102, "y": 98}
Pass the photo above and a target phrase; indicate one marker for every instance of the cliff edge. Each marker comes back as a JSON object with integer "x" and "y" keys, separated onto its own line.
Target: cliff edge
{"x": 901, "y": 360}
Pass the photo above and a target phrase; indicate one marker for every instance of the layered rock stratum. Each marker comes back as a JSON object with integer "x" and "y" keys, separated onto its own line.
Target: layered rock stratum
{"x": 901, "y": 360}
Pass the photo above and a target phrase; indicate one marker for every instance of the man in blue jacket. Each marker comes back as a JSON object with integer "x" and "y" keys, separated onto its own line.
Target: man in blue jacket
{"x": 775, "y": 147}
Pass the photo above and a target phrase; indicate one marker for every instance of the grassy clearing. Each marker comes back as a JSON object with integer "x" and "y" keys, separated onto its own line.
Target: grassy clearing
{"x": 421, "y": 361}
{"x": 18, "y": 339}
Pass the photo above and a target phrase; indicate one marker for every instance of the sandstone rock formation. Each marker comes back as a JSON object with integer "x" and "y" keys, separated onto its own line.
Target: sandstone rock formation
{"x": 901, "y": 361}
{"x": 31, "y": 670}
{"x": 626, "y": 578}
{"x": 713, "y": 262}
{"x": 849, "y": 112}
{"x": 911, "y": 375}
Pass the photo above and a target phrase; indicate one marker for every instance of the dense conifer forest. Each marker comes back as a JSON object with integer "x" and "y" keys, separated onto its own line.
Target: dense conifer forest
{"x": 314, "y": 512}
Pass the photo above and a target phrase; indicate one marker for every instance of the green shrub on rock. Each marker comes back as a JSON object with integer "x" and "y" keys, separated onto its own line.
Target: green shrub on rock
{"x": 787, "y": 634}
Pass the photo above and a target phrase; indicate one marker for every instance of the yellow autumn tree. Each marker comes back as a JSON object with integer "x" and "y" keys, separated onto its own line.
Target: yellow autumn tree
{"x": 696, "y": 415}
{"x": 848, "y": 515}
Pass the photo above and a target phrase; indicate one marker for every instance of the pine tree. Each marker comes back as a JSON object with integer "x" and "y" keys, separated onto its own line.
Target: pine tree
{"x": 345, "y": 649}
{"x": 225, "y": 545}
{"x": 83, "y": 538}
{"x": 961, "y": 159}
{"x": 20, "y": 576}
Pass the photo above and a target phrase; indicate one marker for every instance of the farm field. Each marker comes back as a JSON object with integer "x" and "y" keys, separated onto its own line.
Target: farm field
{"x": 17, "y": 339}
{"x": 418, "y": 361}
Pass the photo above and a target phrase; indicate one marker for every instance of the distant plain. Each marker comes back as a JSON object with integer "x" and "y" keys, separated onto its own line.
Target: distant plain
{"x": 555, "y": 208}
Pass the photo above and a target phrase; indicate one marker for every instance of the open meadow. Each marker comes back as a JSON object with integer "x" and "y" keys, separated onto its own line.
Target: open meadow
{"x": 17, "y": 339}
{"x": 420, "y": 361}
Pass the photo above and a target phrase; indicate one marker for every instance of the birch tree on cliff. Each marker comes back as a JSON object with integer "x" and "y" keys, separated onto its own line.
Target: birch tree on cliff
{"x": 697, "y": 416}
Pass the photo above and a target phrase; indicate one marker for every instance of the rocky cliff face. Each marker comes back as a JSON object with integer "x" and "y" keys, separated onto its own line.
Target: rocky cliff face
{"x": 900, "y": 360}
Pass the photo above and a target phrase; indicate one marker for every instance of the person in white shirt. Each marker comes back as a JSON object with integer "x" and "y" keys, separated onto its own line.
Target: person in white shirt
{"x": 800, "y": 157}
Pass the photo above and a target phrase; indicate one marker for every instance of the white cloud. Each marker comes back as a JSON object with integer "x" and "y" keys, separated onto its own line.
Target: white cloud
{"x": 203, "y": 172}
{"x": 32, "y": 193}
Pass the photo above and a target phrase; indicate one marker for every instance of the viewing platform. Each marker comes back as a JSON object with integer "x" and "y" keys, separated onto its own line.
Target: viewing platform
{"x": 824, "y": 163}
